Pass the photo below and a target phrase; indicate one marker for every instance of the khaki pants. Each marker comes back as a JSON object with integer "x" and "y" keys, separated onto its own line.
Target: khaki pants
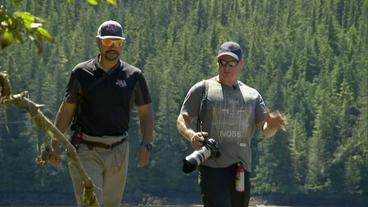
{"x": 107, "y": 168}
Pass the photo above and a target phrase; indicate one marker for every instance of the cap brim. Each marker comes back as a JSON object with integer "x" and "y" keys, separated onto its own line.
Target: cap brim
{"x": 228, "y": 53}
{"x": 110, "y": 37}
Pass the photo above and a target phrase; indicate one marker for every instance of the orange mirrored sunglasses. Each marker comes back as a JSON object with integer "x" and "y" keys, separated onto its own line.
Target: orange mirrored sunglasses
{"x": 109, "y": 42}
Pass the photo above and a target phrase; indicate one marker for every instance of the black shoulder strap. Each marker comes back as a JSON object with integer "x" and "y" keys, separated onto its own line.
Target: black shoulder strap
{"x": 202, "y": 106}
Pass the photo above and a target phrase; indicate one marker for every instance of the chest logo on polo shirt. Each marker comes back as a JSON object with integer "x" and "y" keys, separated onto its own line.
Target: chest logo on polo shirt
{"x": 121, "y": 83}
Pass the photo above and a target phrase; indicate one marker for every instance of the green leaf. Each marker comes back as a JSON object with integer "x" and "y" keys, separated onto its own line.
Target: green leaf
{"x": 113, "y": 2}
{"x": 28, "y": 18}
{"x": 44, "y": 33}
{"x": 94, "y": 2}
{"x": 70, "y": 1}
{"x": 40, "y": 20}
{"x": 6, "y": 39}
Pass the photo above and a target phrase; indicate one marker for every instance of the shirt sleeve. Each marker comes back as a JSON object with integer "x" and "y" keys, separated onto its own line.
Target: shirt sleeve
{"x": 260, "y": 109}
{"x": 73, "y": 89}
{"x": 142, "y": 95}
{"x": 193, "y": 100}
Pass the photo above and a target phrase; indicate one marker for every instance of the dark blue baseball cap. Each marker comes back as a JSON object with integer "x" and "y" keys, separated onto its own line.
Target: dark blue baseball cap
{"x": 110, "y": 29}
{"x": 230, "y": 48}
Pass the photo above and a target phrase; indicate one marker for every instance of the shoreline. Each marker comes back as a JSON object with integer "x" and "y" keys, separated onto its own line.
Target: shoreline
{"x": 67, "y": 199}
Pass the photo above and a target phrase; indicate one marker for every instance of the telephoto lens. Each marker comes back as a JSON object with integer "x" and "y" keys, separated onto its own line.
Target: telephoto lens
{"x": 191, "y": 162}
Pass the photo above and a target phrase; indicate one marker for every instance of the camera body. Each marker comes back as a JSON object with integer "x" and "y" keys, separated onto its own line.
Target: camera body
{"x": 209, "y": 149}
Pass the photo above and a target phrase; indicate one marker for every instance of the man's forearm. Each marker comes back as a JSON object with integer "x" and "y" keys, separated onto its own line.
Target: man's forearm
{"x": 146, "y": 123}
{"x": 64, "y": 117}
{"x": 184, "y": 127}
{"x": 62, "y": 124}
{"x": 146, "y": 126}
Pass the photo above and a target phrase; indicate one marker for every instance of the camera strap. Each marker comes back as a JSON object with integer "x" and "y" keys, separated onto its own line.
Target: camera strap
{"x": 202, "y": 106}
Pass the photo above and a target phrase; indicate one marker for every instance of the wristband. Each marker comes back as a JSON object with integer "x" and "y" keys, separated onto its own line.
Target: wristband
{"x": 148, "y": 146}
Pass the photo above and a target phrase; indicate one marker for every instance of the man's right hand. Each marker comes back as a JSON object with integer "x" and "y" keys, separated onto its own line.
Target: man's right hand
{"x": 197, "y": 139}
{"x": 55, "y": 155}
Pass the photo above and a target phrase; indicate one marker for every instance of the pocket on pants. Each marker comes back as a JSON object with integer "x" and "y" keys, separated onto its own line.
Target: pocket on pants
{"x": 120, "y": 154}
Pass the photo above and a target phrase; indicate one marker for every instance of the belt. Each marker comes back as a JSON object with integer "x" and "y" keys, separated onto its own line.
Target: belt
{"x": 91, "y": 145}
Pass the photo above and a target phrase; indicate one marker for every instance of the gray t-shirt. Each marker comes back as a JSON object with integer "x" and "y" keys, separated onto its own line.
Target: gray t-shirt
{"x": 230, "y": 118}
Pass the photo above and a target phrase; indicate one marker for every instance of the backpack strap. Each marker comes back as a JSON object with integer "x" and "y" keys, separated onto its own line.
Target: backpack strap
{"x": 203, "y": 105}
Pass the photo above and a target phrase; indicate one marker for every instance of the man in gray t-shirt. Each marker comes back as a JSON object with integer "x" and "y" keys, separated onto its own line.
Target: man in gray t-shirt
{"x": 231, "y": 114}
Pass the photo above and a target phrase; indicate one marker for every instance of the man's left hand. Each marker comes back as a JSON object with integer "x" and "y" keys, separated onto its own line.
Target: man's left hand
{"x": 276, "y": 120}
{"x": 142, "y": 156}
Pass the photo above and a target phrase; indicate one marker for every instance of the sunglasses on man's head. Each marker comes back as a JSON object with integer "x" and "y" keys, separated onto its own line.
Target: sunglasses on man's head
{"x": 231, "y": 63}
{"x": 109, "y": 42}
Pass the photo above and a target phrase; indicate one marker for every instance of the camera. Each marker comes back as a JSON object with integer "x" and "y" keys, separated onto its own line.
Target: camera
{"x": 209, "y": 149}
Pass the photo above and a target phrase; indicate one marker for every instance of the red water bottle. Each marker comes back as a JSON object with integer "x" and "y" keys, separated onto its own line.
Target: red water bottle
{"x": 239, "y": 178}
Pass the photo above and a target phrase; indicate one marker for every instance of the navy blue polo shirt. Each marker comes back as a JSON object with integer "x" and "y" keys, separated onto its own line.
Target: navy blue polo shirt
{"x": 105, "y": 99}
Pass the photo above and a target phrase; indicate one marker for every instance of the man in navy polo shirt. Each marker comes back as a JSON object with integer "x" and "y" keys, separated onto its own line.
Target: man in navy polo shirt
{"x": 98, "y": 100}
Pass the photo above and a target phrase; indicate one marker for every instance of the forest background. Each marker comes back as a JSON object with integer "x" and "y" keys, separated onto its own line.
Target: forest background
{"x": 308, "y": 59}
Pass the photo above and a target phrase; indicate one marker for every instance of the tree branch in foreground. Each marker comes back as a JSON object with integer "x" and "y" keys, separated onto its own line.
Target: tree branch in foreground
{"x": 21, "y": 101}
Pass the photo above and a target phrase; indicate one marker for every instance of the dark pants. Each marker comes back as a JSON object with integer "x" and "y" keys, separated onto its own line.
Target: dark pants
{"x": 218, "y": 187}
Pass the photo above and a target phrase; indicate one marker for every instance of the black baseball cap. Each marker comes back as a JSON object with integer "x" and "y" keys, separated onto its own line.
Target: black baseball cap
{"x": 230, "y": 48}
{"x": 110, "y": 29}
